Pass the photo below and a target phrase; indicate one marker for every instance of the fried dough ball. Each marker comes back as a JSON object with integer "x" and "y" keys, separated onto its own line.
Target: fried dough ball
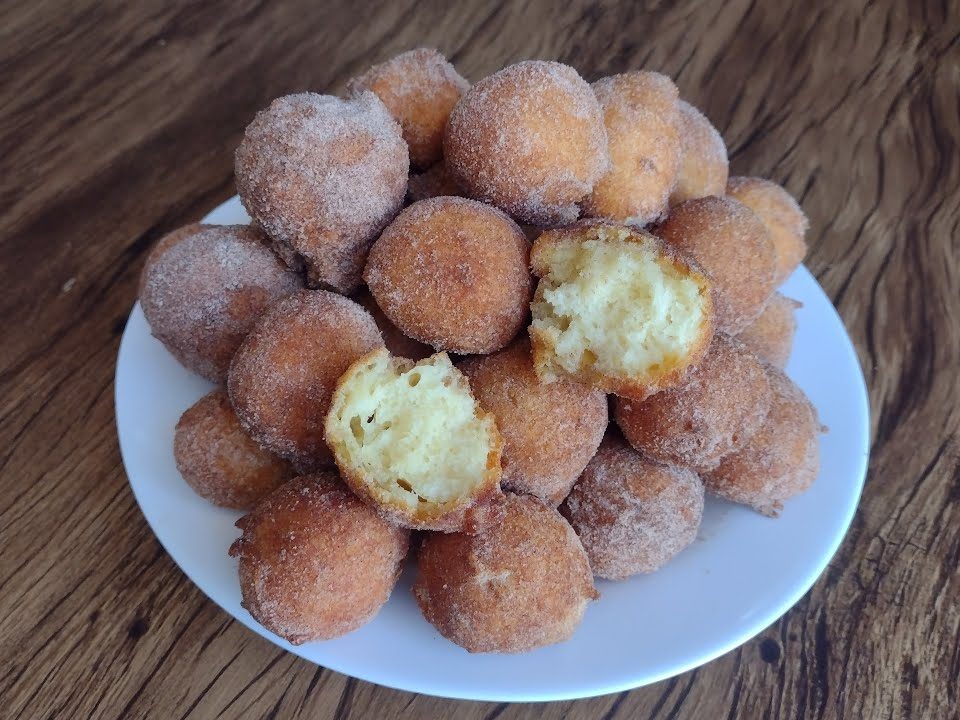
{"x": 780, "y": 461}
{"x": 315, "y": 562}
{"x": 283, "y": 375}
{"x": 715, "y": 410}
{"x": 633, "y": 515}
{"x": 204, "y": 286}
{"x": 729, "y": 242}
{"x": 431, "y": 183}
{"x": 520, "y": 585}
{"x": 703, "y": 157}
{"x": 452, "y": 273}
{"x": 783, "y": 216}
{"x": 397, "y": 343}
{"x": 550, "y": 430}
{"x": 413, "y": 442}
{"x": 642, "y": 120}
{"x": 770, "y": 336}
{"x": 616, "y": 309}
{"x": 530, "y": 139}
{"x": 323, "y": 176}
{"x": 419, "y": 88}
{"x": 219, "y": 460}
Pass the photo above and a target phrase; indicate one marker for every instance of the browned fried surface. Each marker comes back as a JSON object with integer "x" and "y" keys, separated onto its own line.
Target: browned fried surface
{"x": 770, "y": 336}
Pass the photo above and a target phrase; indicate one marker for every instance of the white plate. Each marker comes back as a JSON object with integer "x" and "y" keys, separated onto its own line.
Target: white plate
{"x": 743, "y": 572}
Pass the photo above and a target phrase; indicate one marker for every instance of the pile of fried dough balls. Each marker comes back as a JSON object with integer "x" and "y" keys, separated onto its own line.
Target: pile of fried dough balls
{"x": 445, "y": 293}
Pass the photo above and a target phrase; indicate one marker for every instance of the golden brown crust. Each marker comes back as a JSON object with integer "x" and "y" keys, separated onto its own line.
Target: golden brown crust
{"x": 703, "y": 157}
{"x": 628, "y": 387}
{"x": 219, "y": 460}
{"x": 770, "y": 336}
{"x": 642, "y": 120}
{"x": 482, "y": 508}
{"x": 452, "y": 273}
{"x": 315, "y": 562}
{"x": 520, "y": 585}
{"x": 780, "y": 461}
{"x": 715, "y": 411}
{"x": 397, "y": 343}
{"x": 323, "y": 176}
{"x": 284, "y": 374}
{"x": 204, "y": 286}
{"x": 729, "y": 241}
{"x": 633, "y": 515}
{"x": 550, "y": 430}
{"x": 420, "y": 88}
{"x": 529, "y": 139}
{"x": 782, "y": 215}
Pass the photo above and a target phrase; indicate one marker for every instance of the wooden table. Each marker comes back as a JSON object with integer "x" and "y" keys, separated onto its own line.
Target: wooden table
{"x": 118, "y": 122}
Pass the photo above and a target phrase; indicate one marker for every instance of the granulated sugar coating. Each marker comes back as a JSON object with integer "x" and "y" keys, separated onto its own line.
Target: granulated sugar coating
{"x": 452, "y": 273}
{"x": 419, "y": 88}
{"x": 780, "y": 461}
{"x": 204, "y": 286}
{"x": 641, "y": 116}
{"x": 770, "y": 336}
{"x": 219, "y": 460}
{"x": 432, "y": 183}
{"x": 397, "y": 343}
{"x": 315, "y": 562}
{"x": 323, "y": 176}
{"x": 518, "y": 586}
{"x": 284, "y": 373}
{"x": 529, "y": 139}
{"x": 703, "y": 157}
{"x": 550, "y": 430}
{"x": 715, "y": 411}
{"x": 782, "y": 215}
{"x": 730, "y": 242}
{"x": 633, "y": 515}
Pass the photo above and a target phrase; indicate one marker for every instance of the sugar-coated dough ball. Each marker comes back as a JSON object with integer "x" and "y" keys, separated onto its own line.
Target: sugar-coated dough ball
{"x": 397, "y": 343}
{"x": 633, "y": 515}
{"x": 419, "y": 88}
{"x": 770, "y": 336}
{"x": 452, "y": 273}
{"x": 323, "y": 176}
{"x": 530, "y": 139}
{"x": 204, "y": 286}
{"x": 219, "y": 460}
{"x": 780, "y": 461}
{"x": 520, "y": 585}
{"x": 550, "y": 430}
{"x": 642, "y": 121}
{"x": 717, "y": 408}
{"x": 703, "y": 157}
{"x": 782, "y": 215}
{"x": 315, "y": 562}
{"x": 731, "y": 243}
{"x": 284, "y": 373}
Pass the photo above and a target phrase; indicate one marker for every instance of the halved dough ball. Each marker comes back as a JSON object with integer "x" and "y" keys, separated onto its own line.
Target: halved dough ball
{"x": 550, "y": 430}
{"x": 323, "y": 176}
{"x": 770, "y": 336}
{"x": 783, "y": 216}
{"x": 703, "y": 157}
{"x": 780, "y": 461}
{"x": 616, "y": 309}
{"x": 204, "y": 286}
{"x": 452, "y": 273}
{"x": 219, "y": 460}
{"x": 529, "y": 139}
{"x": 715, "y": 410}
{"x": 283, "y": 375}
{"x": 729, "y": 242}
{"x": 315, "y": 562}
{"x": 420, "y": 88}
{"x": 397, "y": 343}
{"x": 519, "y": 585}
{"x": 412, "y": 441}
{"x": 642, "y": 120}
{"x": 633, "y": 515}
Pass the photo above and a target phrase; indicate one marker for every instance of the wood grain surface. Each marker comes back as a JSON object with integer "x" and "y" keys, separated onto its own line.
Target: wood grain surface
{"x": 118, "y": 122}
